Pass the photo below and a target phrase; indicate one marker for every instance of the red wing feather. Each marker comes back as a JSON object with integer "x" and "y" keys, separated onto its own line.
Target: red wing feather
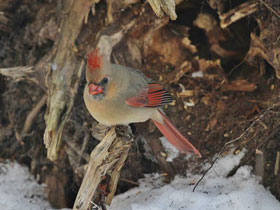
{"x": 152, "y": 96}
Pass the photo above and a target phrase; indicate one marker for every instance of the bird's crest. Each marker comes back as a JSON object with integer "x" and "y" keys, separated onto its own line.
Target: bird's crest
{"x": 94, "y": 60}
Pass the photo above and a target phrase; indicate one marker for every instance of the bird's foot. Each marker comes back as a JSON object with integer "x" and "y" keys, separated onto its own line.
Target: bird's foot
{"x": 124, "y": 131}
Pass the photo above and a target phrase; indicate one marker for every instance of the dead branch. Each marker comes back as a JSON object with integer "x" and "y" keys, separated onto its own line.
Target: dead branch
{"x": 20, "y": 73}
{"x": 30, "y": 118}
{"x": 63, "y": 77}
{"x": 164, "y": 6}
{"x": 108, "y": 157}
{"x": 35, "y": 74}
{"x": 238, "y": 13}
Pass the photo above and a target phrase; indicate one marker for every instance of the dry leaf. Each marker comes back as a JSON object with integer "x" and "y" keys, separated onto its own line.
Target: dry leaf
{"x": 239, "y": 85}
{"x": 186, "y": 93}
{"x": 186, "y": 42}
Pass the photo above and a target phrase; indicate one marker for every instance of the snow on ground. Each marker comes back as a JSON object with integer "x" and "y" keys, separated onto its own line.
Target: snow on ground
{"x": 19, "y": 190}
{"x": 171, "y": 151}
{"x": 215, "y": 192}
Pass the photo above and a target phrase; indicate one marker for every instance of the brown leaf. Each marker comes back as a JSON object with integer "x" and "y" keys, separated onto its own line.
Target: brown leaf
{"x": 220, "y": 107}
{"x": 206, "y": 64}
{"x": 239, "y": 85}
{"x": 212, "y": 123}
{"x": 186, "y": 42}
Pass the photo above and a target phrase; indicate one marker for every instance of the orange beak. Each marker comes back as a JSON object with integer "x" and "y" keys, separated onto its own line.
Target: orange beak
{"x": 94, "y": 89}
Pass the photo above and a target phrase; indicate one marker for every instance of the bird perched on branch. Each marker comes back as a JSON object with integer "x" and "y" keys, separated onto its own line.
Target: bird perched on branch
{"x": 119, "y": 95}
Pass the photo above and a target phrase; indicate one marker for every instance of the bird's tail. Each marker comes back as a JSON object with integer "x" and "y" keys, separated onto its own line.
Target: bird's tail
{"x": 174, "y": 136}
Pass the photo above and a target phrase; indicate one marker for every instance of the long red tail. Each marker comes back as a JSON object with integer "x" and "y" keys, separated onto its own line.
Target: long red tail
{"x": 174, "y": 136}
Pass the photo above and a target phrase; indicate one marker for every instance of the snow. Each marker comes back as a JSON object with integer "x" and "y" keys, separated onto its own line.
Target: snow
{"x": 171, "y": 151}
{"x": 19, "y": 190}
{"x": 216, "y": 192}
{"x": 197, "y": 74}
{"x": 242, "y": 191}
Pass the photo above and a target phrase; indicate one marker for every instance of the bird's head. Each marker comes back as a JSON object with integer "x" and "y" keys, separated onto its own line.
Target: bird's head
{"x": 99, "y": 75}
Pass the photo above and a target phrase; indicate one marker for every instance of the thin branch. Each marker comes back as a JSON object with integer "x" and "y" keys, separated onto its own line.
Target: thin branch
{"x": 20, "y": 73}
{"x": 30, "y": 118}
{"x": 80, "y": 154}
{"x": 129, "y": 181}
{"x": 276, "y": 166}
{"x": 270, "y": 8}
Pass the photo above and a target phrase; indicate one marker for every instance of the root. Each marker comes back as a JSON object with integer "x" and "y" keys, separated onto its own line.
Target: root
{"x": 30, "y": 119}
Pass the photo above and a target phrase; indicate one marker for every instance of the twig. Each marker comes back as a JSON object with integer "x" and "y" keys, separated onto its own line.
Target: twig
{"x": 129, "y": 181}
{"x": 80, "y": 154}
{"x": 238, "y": 65}
{"x": 233, "y": 141}
{"x": 270, "y": 8}
{"x": 276, "y": 166}
{"x": 95, "y": 206}
{"x": 238, "y": 13}
{"x": 33, "y": 114}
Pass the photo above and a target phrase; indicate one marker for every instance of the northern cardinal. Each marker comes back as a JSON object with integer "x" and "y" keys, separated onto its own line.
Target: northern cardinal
{"x": 116, "y": 95}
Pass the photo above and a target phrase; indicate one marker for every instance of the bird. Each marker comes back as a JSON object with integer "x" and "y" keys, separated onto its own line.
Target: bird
{"x": 120, "y": 95}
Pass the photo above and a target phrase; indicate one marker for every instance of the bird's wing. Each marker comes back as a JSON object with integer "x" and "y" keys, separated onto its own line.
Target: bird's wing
{"x": 153, "y": 95}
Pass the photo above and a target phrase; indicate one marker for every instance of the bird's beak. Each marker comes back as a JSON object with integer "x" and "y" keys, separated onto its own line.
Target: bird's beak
{"x": 94, "y": 89}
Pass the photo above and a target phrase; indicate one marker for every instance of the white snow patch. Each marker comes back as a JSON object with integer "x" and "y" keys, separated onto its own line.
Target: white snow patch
{"x": 197, "y": 74}
{"x": 215, "y": 192}
{"x": 19, "y": 190}
{"x": 224, "y": 165}
{"x": 171, "y": 151}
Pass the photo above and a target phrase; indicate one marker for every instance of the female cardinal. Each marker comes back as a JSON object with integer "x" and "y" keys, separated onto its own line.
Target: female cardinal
{"x": 116, "y": 94}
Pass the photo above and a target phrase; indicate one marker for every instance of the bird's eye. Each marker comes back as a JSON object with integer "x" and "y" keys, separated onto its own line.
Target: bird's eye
{"x": 104, "y": 81}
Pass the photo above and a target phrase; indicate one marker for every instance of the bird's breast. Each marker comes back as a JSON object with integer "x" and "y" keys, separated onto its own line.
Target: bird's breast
{"x": 115, "y": 111}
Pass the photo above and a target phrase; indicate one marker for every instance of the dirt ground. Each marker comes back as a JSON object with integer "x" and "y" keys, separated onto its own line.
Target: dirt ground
{"x": 235, "y": 99}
